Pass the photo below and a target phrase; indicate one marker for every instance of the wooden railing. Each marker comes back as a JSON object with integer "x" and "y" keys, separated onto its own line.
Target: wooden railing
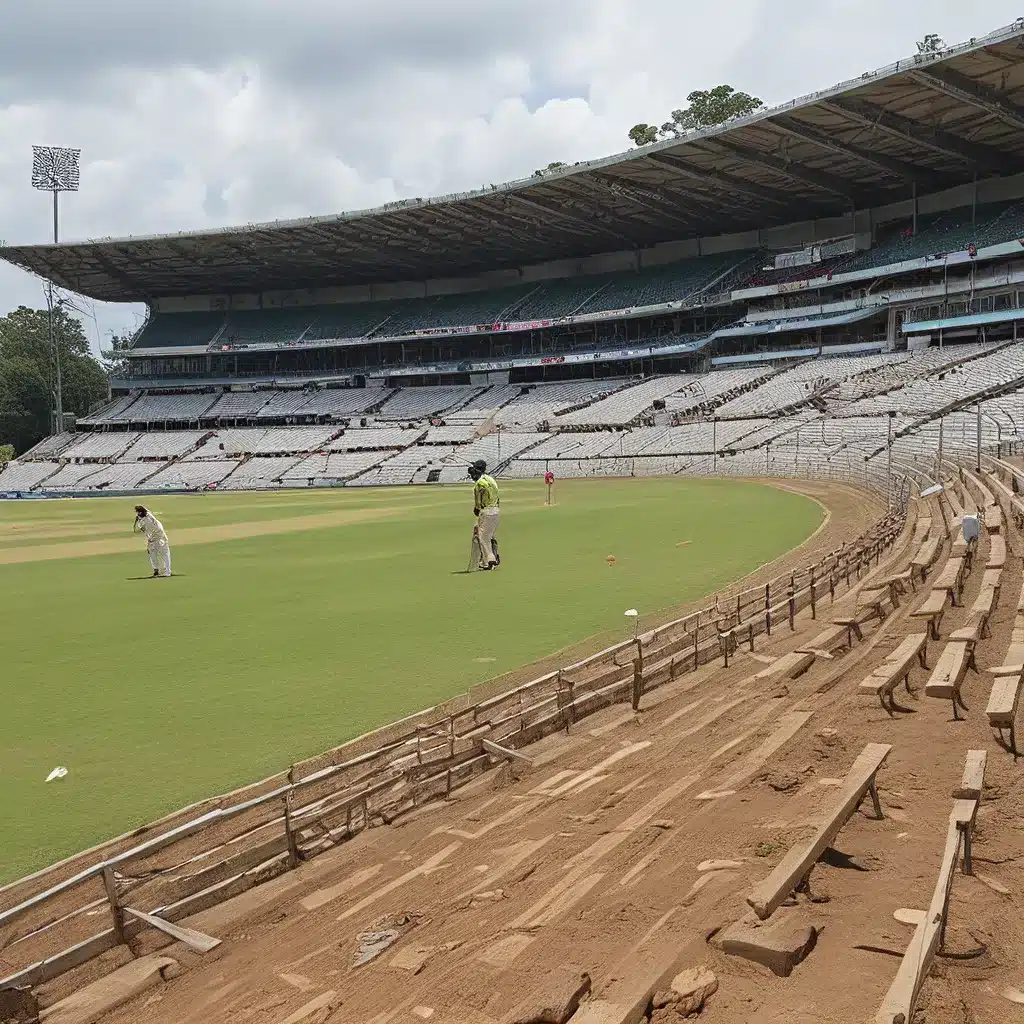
{"x": 212, "y": 851}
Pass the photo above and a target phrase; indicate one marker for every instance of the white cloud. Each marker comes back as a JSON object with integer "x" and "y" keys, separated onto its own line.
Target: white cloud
{"x": 230, "y": 111}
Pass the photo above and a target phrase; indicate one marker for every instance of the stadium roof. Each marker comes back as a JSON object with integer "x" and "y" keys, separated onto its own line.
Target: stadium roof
{"x": 934, "y": 121}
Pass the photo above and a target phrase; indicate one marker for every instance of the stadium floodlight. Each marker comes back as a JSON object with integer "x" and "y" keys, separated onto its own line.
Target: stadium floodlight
{"x": 55, "y": 169}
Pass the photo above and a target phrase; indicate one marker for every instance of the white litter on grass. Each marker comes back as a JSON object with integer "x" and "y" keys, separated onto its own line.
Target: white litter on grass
{"x": 631, "y": 613}
{"x": 57, "y": 773}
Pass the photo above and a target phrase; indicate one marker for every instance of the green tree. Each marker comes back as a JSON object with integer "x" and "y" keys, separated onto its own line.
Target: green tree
{"x": 931, "y": 43}
{"x": 555, "y": 165}
{"x": 115, "y": 358}
{"x": 707, "y": 108}
{"x": 26, "y": 373}
{"x": 643, "y": 134}
{"x": 6, "y": 453}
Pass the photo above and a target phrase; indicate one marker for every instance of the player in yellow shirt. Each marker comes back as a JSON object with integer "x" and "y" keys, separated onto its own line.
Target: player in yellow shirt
{"x": 486, "y": 509}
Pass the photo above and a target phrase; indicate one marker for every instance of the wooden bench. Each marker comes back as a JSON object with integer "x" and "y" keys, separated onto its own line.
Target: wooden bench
{"x": 948, "y": 675}
{"x": 1002, "y": 708}
{"x": 951, "y": 579}
{"x": 926, "y": 556}
{"x": 794, "y": 869}
{"x": 964, "y": 550}
{"x": 898, "y": 583}
{"x": 993, "y": 519}
{"x": 932, "y": 610}
{"x": 901, "y": 999}
{"x": 873, "y": 601}
{"x": 976, "y": 627}
{"x": 895, "y": 668}
{"x": 997, "y": 551}
{"x": 973, "y": 782}
{"x": 993, "y": 578}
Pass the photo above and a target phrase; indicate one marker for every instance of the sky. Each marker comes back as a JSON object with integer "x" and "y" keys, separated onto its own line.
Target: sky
{"x": 206, "y": 113}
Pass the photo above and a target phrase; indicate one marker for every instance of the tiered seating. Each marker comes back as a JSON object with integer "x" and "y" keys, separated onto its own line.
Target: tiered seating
{"x": 50, "y": 447}
{"x": 283, "y": 405}
{"x": 328, "y": 468}
{"x": 70, "y": 476}
{"x": 111, "y": 412}
{"x": 165, "y": 444}
{"x": 167, "y": 330}
{"x": 180, "y": 408}
{"x": 100, "y": 446}
{"x": 355, "y": 438}
{"x": 485, "y": 404}
{"x": 622, "y": 407}
{"x": 542, "y": 401}
{"x": 950, "y": 231}
{"x": 23, "y": 476}
{"x": 463, "y": 310}
{"x": 260, "y": 473}
{"x": 192, "y": 475}
{"x": 420, "y": 403}
{"x": 450, "y": 435}
{"x": 265, "y": 326}
{"x": 123, "y": 476}
{"x": 239, "y": 404}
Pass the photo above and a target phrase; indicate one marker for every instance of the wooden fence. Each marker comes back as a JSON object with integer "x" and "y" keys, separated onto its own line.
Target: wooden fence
{"x": 212, "y": 851}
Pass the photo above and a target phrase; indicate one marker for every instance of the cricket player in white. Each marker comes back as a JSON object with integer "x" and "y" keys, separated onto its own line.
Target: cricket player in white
{"x": 157, "y": 545}
{"x": 486, "y": 507}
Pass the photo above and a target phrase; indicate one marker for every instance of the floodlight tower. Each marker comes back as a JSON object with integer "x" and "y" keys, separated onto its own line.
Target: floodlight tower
{"x": 55, "y": 169}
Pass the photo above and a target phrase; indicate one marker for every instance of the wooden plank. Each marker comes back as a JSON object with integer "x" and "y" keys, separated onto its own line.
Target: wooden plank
{"x": 512, "y": 755}
{"x": 901, "y": 999}
{"x": 198, "y": 941}
{"x": 934, "y": 605}
{"x": 973, "y": 781}
{"x": 56, "y": 965}
{"x": 769, "y": 895}
{"x": 949, "y": 671}
{"x": 997, "y": 551}
{"x": 1003, "y": 701}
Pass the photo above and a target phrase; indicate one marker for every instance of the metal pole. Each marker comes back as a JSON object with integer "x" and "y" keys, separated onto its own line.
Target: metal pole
{"x": 938, "y": 469}
{"x": 714, "y": 444}
{"x": 58, "y": 384}
{"x": 979, "y": 439}
{"x": 888, "y": 470}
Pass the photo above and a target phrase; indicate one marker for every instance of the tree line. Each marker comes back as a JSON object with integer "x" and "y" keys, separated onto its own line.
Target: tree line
{"x": 26, "y": 375}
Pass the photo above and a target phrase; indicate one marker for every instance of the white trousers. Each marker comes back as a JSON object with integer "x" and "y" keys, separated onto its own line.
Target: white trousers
{"x": 487, "y": 527}
{"x": 160, "y": 555}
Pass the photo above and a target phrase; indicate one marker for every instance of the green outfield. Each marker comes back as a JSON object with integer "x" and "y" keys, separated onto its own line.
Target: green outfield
{"x": 299, "y": 619}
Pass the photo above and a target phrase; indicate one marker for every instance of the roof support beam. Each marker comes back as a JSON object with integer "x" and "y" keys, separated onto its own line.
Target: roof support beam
{"x": 966, "y": 90}
{"x": 898, "y": 168}
{"x": 935, "y": 139}
{"x": 554, "y": 210}
{"x": 726, "y": 181}
{"x": 650, "y": 197}
{"x": 818, "y": 179}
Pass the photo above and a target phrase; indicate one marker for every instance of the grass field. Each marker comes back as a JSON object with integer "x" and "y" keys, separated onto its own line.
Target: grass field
{"x": 296, "y": 620}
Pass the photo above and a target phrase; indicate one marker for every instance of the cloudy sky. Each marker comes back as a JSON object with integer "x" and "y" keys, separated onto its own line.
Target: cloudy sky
{"x": 201, "y": 113}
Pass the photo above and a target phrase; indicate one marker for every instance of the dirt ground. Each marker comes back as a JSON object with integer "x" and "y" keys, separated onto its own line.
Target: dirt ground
{"x": 595, "y": 858}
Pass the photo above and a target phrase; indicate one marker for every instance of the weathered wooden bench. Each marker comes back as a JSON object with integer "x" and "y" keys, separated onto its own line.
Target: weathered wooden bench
{"x": 901, "y": 999}
{"x": 873, "y": 602}
{"x": 926, "y": 556}
{"x": 976, "y": 627}
{"x": 993, "y": 578}
{"x": 951, "y": 579}
{"x": 948, "y": 675}
{"x": 932, "y": 609}
{"x": 993, "y": 518}
{"x": 964, "y": 550}
{"x": 898, "y": 584}
{"x": 895, "y": 668}
{"x": 793, "y": 870}
{"x": 996, "y": 551}
{"x": 1002, "y": 708}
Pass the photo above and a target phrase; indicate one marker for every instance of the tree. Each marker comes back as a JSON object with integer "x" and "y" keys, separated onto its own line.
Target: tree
{"x": 26, "y": 373}
{"x": 707, "y": 108}
{"x": 115, "y": 359}
{"x": 6, "y": 453}
{"x": 555, "y": 165}
{"x": 931, "y": 43}
{"x": 643, "y": 134}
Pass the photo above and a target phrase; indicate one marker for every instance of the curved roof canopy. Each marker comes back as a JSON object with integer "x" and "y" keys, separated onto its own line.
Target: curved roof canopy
{"x": 931, "y": 121}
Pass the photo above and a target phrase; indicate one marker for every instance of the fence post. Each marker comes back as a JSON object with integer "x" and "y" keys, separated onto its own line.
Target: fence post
{"x": 768, "y": 608}
{"x": 293, "y": 846}
{"x": 814, "y": 597}
{"x": 638, "y": 681}
{"x": 116, "y": 913}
